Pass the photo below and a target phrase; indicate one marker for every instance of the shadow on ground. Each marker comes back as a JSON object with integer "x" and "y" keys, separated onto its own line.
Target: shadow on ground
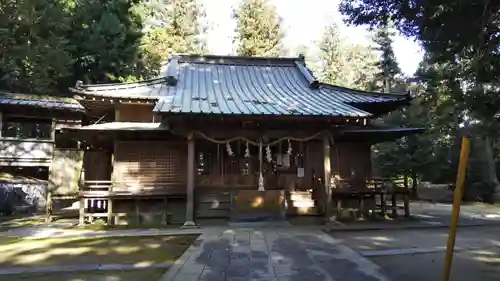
{"x": 403, "y": 254}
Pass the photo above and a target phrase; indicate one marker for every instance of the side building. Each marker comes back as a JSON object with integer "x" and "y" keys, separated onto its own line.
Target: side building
{"x": 215, "y": 132}
{"x": 33, "y": 152}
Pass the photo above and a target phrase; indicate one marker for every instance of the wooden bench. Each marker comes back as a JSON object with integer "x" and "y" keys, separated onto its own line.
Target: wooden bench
{"x": 371, "y": 189}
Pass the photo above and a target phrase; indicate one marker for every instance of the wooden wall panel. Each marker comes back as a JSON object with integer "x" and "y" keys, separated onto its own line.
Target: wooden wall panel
{"x": 134, "y": 113}
{"x": 97, "y": 165}
{"x": 350, "y": 159}
{"x": 65, "y": 171}
{"x": 150, "y": 164}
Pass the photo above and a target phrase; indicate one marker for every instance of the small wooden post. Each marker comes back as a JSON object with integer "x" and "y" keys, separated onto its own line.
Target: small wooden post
{"x": 327, "y": 175}
{"x": 394, "y": 204}
{"x": 137, "y": 212}
{"x": 361, "y": 199}
{"x": 82, "y": 211}
{"x": 383, "y": 204}
{"x": 406, "y": 197}
{"x": 110, "y": 211}
{"x": 110, "y": 205}
{"x": 48, "y": 207}
{"x": 189, "y": 223}
{"x": 339, "y": 207}
{"x": 165, "y": 214}
{"x": 457, "y": 200}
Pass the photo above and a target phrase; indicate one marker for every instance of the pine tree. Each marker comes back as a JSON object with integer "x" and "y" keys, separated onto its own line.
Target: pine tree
{"x": 34, "y": 55}
{"x": 389, "y": 68}
{"x": 258, "y": 29}
{"x": 181, "y": 29}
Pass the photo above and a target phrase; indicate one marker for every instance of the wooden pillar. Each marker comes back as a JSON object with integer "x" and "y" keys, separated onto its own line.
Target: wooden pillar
{"x": 1, "y": 123}
{"x": 383, "y": 204}
{"x": 406, "y": 198}
{"x": 81, "y": 220}
{"x": 111, "y": 217}
{"x": 110, "y": 211}
{"x": 48, "y": 207}
{"x": 189, "y": 223}
{"x": 81, "y": 184}
{"x": 50, "y": 187}
{"x": 327, "y": 175}
{"x": 394, "y": 204}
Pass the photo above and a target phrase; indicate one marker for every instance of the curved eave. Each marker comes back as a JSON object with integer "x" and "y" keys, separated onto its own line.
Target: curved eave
{"x": 276, "y": 116}
{"x": 376, "y": 135}
{"x": 376, "y": 96}
{"x": 381, "y": 108}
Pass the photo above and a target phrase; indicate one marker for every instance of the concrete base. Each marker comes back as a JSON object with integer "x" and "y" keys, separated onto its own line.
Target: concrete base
{"x": 189, "y": 225}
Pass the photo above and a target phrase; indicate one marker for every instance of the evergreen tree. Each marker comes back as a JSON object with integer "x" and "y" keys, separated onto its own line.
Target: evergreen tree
{"x": 258, "y": 29}
{"x": 332, "y": 56}
{"x": 471, "y": 51}
{"x": 429, "y": 155}
{"x": 387, "y": 64}
{"x": 107, "y": 35}
{"x": 344, "y": 64}
{"x": 181, "y": 29}
{"x": 34, "y": 53}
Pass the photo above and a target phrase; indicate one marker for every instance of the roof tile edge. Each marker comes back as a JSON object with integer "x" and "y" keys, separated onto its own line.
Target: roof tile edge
{"x": 396, "y": 96}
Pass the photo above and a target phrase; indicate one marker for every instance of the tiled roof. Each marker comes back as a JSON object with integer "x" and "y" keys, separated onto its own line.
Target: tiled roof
{"x": 242, "y": 86}
{"x": 38, "y": 101}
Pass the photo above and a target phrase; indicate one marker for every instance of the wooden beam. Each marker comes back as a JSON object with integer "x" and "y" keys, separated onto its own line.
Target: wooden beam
{"x": 189, "y": 223}
{"x": 223, "y": 134}
{"x": 327, "y": 175}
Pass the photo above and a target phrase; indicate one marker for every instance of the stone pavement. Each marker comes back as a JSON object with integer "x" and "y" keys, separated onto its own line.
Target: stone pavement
{"x": 279, "y": 254}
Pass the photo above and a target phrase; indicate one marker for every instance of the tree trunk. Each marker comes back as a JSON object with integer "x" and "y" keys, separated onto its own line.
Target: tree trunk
{"x": 491, "y": 172}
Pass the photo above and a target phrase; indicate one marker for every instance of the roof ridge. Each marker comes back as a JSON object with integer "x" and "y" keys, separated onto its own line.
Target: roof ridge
{"x": 116, "y": 86}
{"x": 145, "y": 81}
{"x": 236, "y": 60}
{"x": 213, "y": 56}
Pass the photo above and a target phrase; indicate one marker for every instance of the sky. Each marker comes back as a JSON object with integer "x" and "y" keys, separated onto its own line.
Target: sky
{"x": 303, "y": 25}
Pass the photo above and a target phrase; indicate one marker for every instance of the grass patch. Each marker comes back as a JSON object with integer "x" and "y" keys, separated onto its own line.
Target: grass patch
{"x": 143, "y": 250}
{"x": 105, "y": 227}
{"x": 12, "y": 222}
{"x": 125, "y": 275}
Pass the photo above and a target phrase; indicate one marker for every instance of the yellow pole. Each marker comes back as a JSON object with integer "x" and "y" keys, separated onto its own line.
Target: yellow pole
{"x": 457, "y": 200}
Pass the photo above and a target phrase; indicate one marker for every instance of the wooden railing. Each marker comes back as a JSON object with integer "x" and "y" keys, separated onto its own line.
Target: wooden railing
{"x": 96, "y": 198}
{"x": 127, "y": 188}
